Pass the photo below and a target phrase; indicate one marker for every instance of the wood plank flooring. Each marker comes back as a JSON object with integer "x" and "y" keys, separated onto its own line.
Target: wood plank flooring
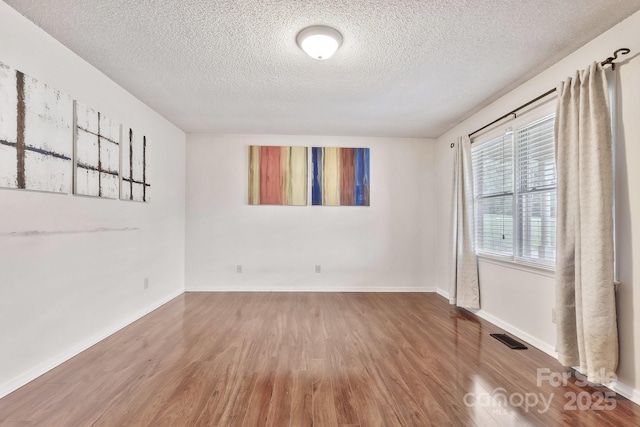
{"x": 308, "y": 359}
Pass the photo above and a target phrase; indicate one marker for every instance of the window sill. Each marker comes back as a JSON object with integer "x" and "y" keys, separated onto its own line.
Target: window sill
{"x": 509, "y": 263}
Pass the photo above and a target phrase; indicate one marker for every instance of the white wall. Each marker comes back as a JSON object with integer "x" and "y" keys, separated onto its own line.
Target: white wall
{"x": 71, "y": 285}
{"x": 521, "y": 301}
{"x": 387, "y": 246}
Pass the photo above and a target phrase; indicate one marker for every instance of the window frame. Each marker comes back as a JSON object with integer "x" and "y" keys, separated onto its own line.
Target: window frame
{"x": 528, "y": 117}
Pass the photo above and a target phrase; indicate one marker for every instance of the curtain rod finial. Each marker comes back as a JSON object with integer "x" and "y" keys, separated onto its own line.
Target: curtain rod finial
{"x": 609, "y": 60}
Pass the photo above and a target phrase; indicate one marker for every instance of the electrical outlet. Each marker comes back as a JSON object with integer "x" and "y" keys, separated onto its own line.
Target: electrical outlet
{"x": 553, "y": 315}
{"x": 318, "y": 268}
{"x": 146, "y": 283}
{"x": 239, "y": 268}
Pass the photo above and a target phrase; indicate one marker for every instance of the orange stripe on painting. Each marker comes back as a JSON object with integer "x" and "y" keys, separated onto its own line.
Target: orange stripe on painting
{"x": 347, "y": 176}
{"x": 270, "y": 176}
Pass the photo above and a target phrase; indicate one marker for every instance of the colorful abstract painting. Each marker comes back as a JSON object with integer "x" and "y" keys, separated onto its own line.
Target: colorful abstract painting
{"x": 340, "y": 176}
{"x": 277, "y": 175}
{"x": 135, "y": 164}
{"x": 97, "y": 154}
{"x": 36, "y": 136}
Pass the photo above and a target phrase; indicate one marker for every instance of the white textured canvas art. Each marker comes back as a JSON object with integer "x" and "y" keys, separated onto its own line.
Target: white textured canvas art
{"x": 97, "y": 154}
{"x": 135, "y": 165}
{"x": 36, "y": 136}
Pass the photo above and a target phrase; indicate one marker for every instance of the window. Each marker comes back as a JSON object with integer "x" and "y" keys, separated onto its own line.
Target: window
{"x": 515, "y": 194}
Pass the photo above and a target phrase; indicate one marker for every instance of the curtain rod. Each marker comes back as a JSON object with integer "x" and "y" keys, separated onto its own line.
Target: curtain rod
{"x": 608, "y": 61}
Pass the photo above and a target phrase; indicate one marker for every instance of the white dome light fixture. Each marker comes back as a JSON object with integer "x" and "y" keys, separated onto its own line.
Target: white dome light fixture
{"x": 319, "y": 42}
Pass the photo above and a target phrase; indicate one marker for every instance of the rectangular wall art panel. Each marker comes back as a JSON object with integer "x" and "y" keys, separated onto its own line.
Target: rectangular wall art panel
{"x": 340, "y": 176}
{"x": 97, "y": 154}
{"x": 135, "y": 165}
{"x": 36, "y": 136}
{"x": 277, "y": 175}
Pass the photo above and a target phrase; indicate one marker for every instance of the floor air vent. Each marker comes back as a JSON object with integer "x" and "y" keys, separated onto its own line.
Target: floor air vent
{"x": 509, "y": 342}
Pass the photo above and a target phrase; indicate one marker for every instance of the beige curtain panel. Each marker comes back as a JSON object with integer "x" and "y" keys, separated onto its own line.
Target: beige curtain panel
{"x": 463, "y": 277}
{"x": 585, "y": 295}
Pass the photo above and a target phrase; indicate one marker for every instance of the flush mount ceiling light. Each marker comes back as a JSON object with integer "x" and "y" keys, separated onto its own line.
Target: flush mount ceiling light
{"x": 319, "y": 41}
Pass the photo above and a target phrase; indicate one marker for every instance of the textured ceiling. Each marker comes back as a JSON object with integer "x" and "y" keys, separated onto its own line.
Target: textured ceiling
{"x": 406, "y": 67}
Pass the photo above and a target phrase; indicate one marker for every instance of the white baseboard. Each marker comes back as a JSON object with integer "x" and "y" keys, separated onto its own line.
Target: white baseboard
{"x": 619, "y": 387}
{"x": 626, "y": 391}
{"x": 442, "y": 293}
{"x": 536, "y": 342}
{"x": 341, "y": 289}
{"x": 33, "y": 373}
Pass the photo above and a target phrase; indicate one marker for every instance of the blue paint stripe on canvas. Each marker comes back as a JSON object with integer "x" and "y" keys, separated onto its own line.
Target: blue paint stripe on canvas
{"x": 316, "y": 186}
{"x": 359, "y": 181}
{"x": 362, "y": 177}
{"x": 367, "y": 181}
{"x": 367, "y": 198}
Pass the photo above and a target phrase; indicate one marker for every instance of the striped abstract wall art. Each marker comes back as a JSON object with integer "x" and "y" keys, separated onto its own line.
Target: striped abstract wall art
{"x": 340, "y": 176}
{"x": 277, "y": 175}
{"x": 36, "y": 135}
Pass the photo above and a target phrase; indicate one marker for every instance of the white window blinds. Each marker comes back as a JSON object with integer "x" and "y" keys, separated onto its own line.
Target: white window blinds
{"x": 536, "y": 192}
{"x": 516, "y": 173}
{"x": 493, "y": 188}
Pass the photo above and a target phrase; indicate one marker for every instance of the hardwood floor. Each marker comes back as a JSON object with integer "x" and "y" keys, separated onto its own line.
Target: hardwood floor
{"x": 308, "y": 359}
